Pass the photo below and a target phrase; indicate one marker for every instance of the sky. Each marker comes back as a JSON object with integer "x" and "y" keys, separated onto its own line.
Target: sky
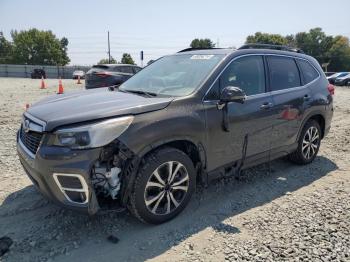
{"x": 160, "y": 27}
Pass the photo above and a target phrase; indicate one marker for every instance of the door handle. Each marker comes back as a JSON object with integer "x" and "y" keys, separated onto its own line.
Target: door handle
{"x": 266, "y": 105}
{"x": 306, "y": 97}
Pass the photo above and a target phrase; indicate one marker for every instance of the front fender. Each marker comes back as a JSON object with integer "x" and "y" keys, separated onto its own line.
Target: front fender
{"x": 153, "y": 129}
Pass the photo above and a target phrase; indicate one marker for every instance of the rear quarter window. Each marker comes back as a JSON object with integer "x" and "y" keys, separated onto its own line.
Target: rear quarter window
{"x": 308, "y": 71}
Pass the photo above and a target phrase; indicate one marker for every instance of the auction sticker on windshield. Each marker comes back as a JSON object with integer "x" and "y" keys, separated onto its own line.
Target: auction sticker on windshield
{"x": 201, "y": 57}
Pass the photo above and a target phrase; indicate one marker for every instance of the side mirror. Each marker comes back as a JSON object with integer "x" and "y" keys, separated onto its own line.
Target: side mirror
{"x": 232, "y": 94}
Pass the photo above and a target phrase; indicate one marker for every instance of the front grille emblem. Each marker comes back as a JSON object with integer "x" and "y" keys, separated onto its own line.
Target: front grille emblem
{"x": 26, "y": 125}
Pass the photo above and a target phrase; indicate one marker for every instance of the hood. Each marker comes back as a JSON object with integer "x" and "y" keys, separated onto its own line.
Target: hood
{"x": 80, "y": 106}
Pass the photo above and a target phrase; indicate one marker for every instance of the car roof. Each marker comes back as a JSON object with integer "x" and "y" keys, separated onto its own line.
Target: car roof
{"x": 110, "y": 65}
{"x": 236, "y": 52}
{"x": 211, "y": 51}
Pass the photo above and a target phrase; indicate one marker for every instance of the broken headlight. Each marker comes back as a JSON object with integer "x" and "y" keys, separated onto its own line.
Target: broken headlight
{"x": 92, "y": 135}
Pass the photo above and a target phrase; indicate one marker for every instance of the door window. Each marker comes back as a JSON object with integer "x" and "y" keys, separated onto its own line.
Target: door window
{"x": 246, "y": 73}
{"x": 284, "y": 73}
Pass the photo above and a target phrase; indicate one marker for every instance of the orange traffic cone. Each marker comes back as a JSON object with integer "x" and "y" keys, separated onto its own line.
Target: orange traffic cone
{"x": 43, "y": 86}
{"x": 79, "y": 80}
{"x": 60, "y": 87}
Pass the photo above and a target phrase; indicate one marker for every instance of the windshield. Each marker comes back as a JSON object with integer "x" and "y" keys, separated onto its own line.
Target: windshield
{"x": 177, "y": 75}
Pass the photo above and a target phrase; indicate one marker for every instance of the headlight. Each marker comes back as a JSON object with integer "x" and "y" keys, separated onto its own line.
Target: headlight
{"x": 94, "y": 135}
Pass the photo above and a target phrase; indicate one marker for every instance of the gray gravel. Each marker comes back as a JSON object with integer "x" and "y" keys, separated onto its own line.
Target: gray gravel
{"x": 274, "y": 212}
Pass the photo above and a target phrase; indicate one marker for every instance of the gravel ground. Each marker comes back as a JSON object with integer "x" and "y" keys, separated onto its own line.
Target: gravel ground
{"x": 274, "y": 212}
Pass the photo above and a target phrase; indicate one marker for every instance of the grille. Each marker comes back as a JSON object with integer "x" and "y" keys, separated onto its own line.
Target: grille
{"x": 31, "y": 140}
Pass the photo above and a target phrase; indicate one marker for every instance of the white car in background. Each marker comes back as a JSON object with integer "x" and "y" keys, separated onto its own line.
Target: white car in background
{"x": 78, "y": 73}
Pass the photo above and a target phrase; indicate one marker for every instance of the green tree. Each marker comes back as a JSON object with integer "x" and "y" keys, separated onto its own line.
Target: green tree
{"x": 106, "y": 61}
{"x": 5, "y": 50}
{"x": 315, "y": 43}
{"x": 127, "y": 59}
{"x": 339, "y": 54}
{"x": 326, "y": 49}
{"x": 202, "y": 43}
{"x": 265, "y": 38}
{"x": 35, "y": 47}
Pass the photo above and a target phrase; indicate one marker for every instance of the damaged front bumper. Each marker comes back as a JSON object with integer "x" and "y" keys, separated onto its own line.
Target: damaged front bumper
{"x": 62, "y": 174}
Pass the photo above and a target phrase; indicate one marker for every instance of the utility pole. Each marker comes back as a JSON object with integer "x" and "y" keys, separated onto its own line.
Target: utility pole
{"x": 109, "y": 50}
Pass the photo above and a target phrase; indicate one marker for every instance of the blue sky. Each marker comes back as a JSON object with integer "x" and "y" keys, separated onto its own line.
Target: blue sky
{"x": 161, "y": 27}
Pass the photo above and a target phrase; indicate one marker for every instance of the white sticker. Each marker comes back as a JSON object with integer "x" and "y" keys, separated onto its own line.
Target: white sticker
{"x": 201, "y": 57}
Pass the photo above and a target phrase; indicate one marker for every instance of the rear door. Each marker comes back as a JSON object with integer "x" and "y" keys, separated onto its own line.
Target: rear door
{"x": 250, "y": 123}
{"x": 290, "y": 98}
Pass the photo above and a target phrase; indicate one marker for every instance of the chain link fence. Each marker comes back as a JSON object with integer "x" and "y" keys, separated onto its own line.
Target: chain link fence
{"x": 7, "y": 70}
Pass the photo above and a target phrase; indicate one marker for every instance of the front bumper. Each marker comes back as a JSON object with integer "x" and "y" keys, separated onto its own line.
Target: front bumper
{"x": 52, "y": 161}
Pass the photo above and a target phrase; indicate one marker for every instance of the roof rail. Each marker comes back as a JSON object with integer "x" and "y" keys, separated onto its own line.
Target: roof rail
{"x": 276, "y": 47}
{"x": 195, "y": 49}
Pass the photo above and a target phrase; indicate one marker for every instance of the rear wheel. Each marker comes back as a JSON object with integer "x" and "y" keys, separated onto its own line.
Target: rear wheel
{"x": 163, "y": 186}
{"x": 308, "y": 144}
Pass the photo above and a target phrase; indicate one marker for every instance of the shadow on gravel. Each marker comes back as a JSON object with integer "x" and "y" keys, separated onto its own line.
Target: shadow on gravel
{"x": 64, "y": 234}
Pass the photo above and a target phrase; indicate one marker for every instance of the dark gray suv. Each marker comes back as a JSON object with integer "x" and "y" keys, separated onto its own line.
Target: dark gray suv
{"x": 188, "y": 117}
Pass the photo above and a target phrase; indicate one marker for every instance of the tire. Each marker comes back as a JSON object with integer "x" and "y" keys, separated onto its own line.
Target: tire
{"x": 311, "y": 130}
{"x": 153, "y": 200}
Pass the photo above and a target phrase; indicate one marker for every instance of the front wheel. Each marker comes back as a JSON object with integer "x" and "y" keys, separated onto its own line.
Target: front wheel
{"x": 163, "y": 186}
{"x": 308, "y": 144}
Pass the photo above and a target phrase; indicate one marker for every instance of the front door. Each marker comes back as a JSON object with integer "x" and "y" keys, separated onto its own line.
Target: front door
{"x": 250, "y": 123}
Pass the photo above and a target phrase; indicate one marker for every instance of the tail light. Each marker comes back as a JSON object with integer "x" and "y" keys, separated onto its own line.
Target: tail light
{"x": 331, "y": 89}
{"x": 103, "y": 74}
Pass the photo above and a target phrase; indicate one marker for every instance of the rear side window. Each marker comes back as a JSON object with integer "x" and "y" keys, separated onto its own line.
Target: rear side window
{"x": 126, "y": 69}
{"x": 284, "y": 73}
{"x": 117, "y": 69}
{"x": 308, "y": 71}
{"x": 247, "y": 73}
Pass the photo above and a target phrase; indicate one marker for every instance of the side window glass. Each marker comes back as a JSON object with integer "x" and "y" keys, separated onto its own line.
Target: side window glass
{"x": 128, "y": 69}
{"x": 117, "y": 69}
{"x": 308, "y": 71}
{"x": 214, "y": 92}
{"x": 284, "y": 73}
{"x": 247, "y": 73}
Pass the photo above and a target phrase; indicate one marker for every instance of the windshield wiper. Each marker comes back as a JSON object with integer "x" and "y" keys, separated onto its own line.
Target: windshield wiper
{"x": 139, "y": 92}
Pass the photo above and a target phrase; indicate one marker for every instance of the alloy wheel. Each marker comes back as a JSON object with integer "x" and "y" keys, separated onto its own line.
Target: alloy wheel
{"x": 311, "y": 142}
{"x": 166, "y": 188}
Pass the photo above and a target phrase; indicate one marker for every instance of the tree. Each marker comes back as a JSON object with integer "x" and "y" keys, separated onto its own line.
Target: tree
{"x": 326, "y": 49}
{"x": 315, "y": 43}
{"x": 127, "y": 59}
{"x": 106, "y": 61}
{"x": 264, "y": 38}
{"x": 5, "y": 50}
{"x": 202, "y": 43}
{"x": 339, "y": 54}
{"x": 36, "y": 47}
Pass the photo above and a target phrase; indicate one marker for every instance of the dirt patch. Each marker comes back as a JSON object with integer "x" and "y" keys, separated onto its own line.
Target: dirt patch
{"x": 274, "y": 212}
